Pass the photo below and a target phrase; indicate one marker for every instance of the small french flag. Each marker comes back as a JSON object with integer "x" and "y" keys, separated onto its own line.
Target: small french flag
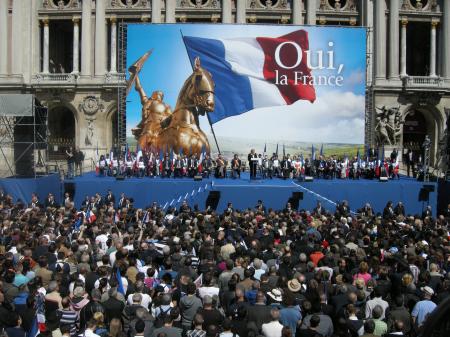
{"x": 90, "y": 216}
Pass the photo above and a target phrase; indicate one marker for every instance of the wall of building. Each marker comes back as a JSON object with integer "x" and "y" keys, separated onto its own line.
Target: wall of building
{"x": 89, "y": 89}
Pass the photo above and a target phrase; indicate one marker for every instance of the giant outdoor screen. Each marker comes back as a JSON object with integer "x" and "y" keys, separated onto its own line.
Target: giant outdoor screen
{"x": 258, "y": 86}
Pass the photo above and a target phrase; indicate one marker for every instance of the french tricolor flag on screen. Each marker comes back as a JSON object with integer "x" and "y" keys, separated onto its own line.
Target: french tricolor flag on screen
{"x": 247, "y": 71}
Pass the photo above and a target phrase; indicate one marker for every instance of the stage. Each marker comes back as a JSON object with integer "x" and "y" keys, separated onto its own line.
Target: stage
{"x": 245, "y": 193}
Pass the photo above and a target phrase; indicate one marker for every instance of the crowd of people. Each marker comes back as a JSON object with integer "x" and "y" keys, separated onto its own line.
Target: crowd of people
{"x": 149, "y": 164}
{"x": 107, "y": 269}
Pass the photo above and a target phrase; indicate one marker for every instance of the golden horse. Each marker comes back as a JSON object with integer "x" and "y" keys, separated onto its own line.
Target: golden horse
{"x": 180, "y": 130}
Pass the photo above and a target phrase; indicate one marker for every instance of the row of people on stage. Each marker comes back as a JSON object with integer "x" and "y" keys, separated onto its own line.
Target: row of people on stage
{"x": 326, "y": 168}
{"x": 261, "y": 165}
{"x": 151, "y": 165}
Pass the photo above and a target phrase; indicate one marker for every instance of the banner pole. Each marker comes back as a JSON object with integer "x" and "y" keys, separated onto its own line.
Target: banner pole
{"x": 207, "y": 114}
{"x": 214, "y": 134}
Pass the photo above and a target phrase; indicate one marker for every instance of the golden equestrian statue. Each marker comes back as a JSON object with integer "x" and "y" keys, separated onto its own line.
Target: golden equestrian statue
{"x": 161, "y": 128}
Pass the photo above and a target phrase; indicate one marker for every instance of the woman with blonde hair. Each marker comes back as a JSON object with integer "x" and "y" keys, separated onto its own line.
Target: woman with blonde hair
{"x": 115, "y": 328}
{"x": 101, "y": 329}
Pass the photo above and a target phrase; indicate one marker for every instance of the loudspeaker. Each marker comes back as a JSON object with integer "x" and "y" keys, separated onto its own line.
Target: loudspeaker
{"x": 384, "y": 179}
{"x": 70, "y": 188}
{"x": 429, "y": 188}
{"x": 198, "y": 178}
{"x": 23, "y": 147}
{"x": 213, "y": 200}
{"x": 120, "y": 177}
{"x": 294, "y": 200}
{"x": 424, "y": 194}
{"x": 309, "y": 179}
{"x": 24, "y": 159}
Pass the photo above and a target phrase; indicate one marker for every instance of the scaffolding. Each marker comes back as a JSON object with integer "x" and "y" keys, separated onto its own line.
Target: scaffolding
{"x": 121, "y": 89}
{"x": 23, "y": 136}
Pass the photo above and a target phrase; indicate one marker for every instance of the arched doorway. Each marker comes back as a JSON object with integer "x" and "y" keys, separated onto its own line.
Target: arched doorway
{"x": 61, "y": 126}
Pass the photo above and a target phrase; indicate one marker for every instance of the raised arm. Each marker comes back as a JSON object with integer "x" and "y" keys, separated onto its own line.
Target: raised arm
{"x": 140, "y": 90}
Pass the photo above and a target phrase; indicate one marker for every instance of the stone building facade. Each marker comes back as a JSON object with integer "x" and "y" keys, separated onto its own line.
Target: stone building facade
{"x": 66, "y": 52}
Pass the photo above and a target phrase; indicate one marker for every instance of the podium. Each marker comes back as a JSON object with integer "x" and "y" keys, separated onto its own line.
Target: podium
{"x": 253, "y": 167}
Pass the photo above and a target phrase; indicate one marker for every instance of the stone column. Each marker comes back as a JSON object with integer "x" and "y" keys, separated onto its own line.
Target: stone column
{"x": 403, "y": 49}
{"x": 380, "y": 40}
{"x": 393, "y": 39}
{"x": 241, "y": 7}
{"x": 226, "y": 11}
{"x": 156, "y": 11}
{"x": 433, "y": 49}
{"x": 311, "y": 8}
{"x": 86, "y": 26}
{"x": 445, "y": 39}
{"x": 3, "y": 37}
{"x": 170, "y": 11}
{"x": 76, "y": 44}
{"x": 100, "y": 38}
{"x": 45, "y": 47}
{"x": 113, "y": 44}
{"x": 297, "y": 17}
{"x": 17, "y": 37}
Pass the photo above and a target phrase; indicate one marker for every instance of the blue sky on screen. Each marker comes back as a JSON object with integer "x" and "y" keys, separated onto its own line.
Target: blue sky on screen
{"x": 337, "y": 115}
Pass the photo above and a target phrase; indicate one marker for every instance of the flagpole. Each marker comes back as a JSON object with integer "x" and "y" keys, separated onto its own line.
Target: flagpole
{"x": 207, "y": 114}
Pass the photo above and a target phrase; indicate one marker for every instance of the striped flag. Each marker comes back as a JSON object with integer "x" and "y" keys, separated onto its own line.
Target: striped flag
{"x": 146, "y": 217}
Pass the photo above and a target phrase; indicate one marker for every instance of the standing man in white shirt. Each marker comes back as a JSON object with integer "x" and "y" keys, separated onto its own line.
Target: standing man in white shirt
{"x": 274, "y": 327}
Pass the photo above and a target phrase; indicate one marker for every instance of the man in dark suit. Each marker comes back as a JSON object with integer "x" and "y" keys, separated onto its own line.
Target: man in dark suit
{"x": 122, "y": 201}
{"x": 399, "y": 315}
{"x": 35, "y": 201}
{"x": 193, "y": 166}
{"x": 113, "y": 306}
{"x": 319, "y": 210}
{"x": 410, "y": 162}
{"x": 50, "y": 201}
{"x": 399, "y": 209}
{"x": 109, "y": 198}
{"x": 98, "y": 201}
{"x": 427, "y": 212}
{"x": 259, "y": 314}
{"x": 85, "y": 202}
{"x": 286, "y": 167}
{"x": 253, "y": 162}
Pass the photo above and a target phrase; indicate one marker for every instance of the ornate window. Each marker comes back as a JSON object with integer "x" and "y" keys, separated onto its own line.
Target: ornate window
{"x": 200, "y": 3}
{"x": 129, "y": 3}
{"x": 269, "y": 3}
{"x": 337, "y": 5}
{"x": 420, "y": 5}
{"x": 60, "y": 4}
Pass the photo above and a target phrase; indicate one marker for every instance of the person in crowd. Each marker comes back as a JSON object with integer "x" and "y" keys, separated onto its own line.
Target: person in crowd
{"x": 70, "y": 162}
{"x": 78, "y": 160}
{"x": 197, "y": 272}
